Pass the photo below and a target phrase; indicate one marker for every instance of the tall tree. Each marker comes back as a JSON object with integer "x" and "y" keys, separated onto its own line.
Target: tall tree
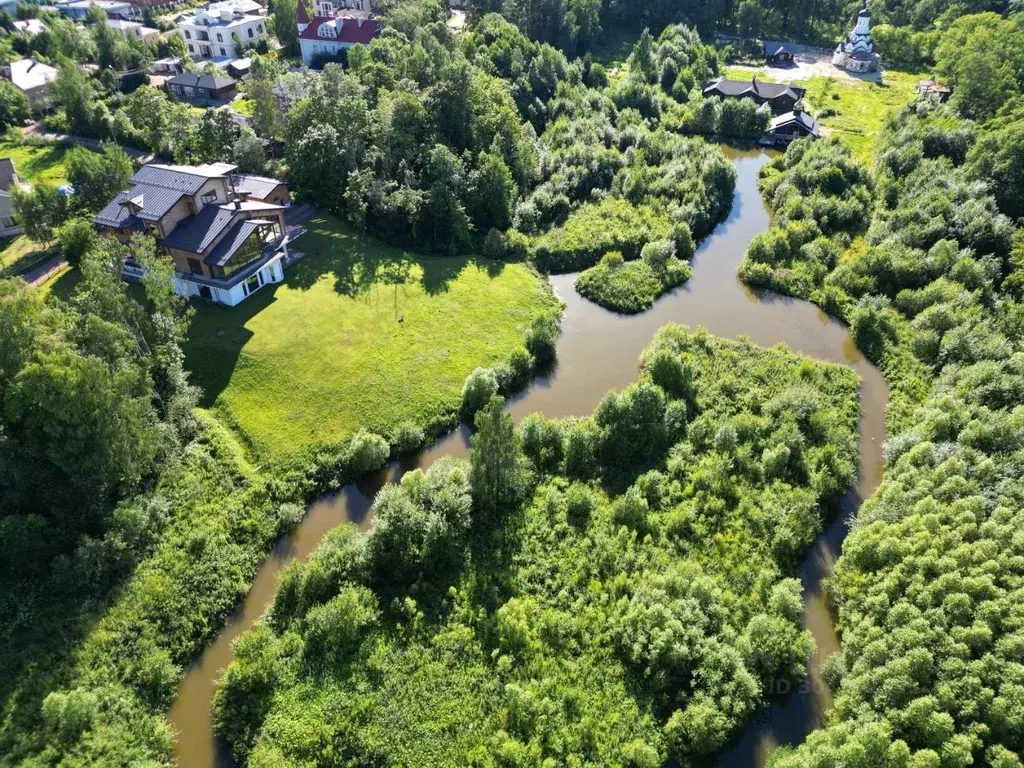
{"x": 497, "y": 476}
{"x": 97, "y": 177}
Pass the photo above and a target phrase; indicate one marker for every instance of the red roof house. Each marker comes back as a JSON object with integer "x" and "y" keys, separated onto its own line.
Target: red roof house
{"x": 329, "y": 35}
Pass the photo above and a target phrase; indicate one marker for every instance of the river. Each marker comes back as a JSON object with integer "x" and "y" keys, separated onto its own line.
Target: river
{"x": 599, "y": 350}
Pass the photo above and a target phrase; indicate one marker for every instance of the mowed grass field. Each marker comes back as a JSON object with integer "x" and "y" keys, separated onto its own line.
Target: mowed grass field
{"x": 359, "y": 335}
{"x": 860, "y": 108}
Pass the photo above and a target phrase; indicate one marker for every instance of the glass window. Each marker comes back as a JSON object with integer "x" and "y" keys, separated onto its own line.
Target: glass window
{"x": 259, "y": 28}
{"x": 247, "y": 252}
{"x": 250, "y": 31}
{"x": 210, "y": 196}
{"x": 195, "y": 267}
{"x": 223, "y": 52}
{"x": 188, "y": 36}
{"x": 220, "y": 38}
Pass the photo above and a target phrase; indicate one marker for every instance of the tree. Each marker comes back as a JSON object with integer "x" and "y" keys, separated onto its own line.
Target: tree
{"x": 248, "y": 153}
{"x": 97, "y": 177}
{"x": 214, "y": 137}
{"x": 285, "y": 28}
{"x": 77, "y": 237}
{"x": 14, "y": 107}
{"x": 73, "y": 92}
{"x": 497, "y": 476}
{"x": 259, "y": 90}
{"x": 492, "y": 193}
{"x": 443, "y": 222}
{"x": 40, "y": 210}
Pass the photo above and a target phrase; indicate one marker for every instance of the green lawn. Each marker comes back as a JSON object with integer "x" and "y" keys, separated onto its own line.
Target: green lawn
{"x": 45, "y": 163}
{"x": 324, "y": 354}
{"x": 19, "y": 254}
{"x": 860, "y": 108}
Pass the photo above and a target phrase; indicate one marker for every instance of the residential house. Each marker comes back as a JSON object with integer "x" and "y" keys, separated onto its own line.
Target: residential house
{"x": 79, "y": 9}
{"x": 777, "y": 54}
{"x": 170, "y": 65}
{"x": 225, "y": 244}
{"x": 330, "y": 35}
{"x": 31, "y": 27}
{"x": 33, "y": 78}
{"x": 210, "y": 33}
{"x": 261, "y": 189}
{"x": 781, "y": 97}
{"x": 935, "y": 90}
{"x": 331, "y": 8}
{"x": 792, "y": 125}
{"x": 134, "y": 29}
{"x": 8, "y": 180}
{"x": 202, "y": 88}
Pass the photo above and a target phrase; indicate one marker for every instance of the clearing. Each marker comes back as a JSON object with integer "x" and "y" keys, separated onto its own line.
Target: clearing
{"x": 36, "y": 163}
{"x": 359, "y": 335}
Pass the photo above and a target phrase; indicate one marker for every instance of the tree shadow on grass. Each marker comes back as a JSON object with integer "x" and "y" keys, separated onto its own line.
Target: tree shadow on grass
{"x": 216, "y": 339}
{"x": 358, "y": 262}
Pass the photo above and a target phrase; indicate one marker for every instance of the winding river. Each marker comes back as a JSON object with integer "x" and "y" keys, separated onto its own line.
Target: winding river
{"x": 598, "y": 351}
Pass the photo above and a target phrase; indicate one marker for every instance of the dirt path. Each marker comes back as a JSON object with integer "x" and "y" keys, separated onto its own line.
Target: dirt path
{"x": 42, "y": 273}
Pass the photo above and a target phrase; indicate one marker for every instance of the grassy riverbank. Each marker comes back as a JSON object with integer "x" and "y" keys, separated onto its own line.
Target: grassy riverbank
{"x": 360, "y": 335}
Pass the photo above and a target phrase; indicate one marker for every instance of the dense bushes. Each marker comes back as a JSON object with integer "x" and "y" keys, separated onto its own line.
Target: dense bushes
{"x": 928, "y": 588}
{"x": 635, "y": 286}
{"x": 495, "y": 631}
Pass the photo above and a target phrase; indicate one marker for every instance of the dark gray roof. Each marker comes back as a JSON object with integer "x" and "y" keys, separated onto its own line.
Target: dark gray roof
{"x": 116, "y": 215}
{"x": 8, "y": 174}
{"x": 804, "y": 120}
{"x": 254, "y": 186}
{"x": 772, "y": 48}
{"x": 169, "y": 178}
{"x": 209, "y": 82}
{"x": 154, "y": 201}
{"x": 725, "y": 87}
{"x": 195, "y": 233}
{"x": 232, "y": 241}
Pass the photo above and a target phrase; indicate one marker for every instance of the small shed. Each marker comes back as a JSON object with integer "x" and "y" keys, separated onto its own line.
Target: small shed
{"x": 934, "y": 89}
{"x": 239, "y": 68}
{"x": 778, "y": 55}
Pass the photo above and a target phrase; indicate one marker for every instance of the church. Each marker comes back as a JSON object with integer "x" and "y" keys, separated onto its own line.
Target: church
{"x": 857, "y": 52}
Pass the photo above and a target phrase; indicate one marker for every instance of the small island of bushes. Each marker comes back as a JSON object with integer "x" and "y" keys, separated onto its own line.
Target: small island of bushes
{"x": 634, "y": 286}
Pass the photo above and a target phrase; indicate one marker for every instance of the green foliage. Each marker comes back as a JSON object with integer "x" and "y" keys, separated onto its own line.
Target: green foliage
{"x": 77, "y": 237}
{"x": 97, "y": 177}
{"x": 635, "y": 286}
{"x": 514, "y": 635}
{"x": 930, "y": 668}
{"x": 40, "y": 210}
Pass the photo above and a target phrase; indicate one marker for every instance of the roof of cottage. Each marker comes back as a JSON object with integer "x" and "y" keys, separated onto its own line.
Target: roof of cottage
{"x": 753, "y": 87}
{"x": 343, "y": 29}
{"x": 254, "y": 186}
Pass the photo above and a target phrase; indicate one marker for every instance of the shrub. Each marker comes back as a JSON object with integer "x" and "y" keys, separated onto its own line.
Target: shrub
{"x": 657, "y": 254}
{"x": 579, "y": 504}
{"x": 367, "y": 452}
{"x": 76, "y": 238}
{"x": 542, "y": 341}
{"x": 408, "y": 439}
{"x": 481, "y": 385}
{"x": 289, "y": 516}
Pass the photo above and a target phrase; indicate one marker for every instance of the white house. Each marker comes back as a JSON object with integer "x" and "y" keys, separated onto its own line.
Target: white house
{"x": 134, "y": 29}
{"x": 31, "y": 27}
{"x": 33, "y": 78}
{"x": 329, "y": 35}
{"x": 8, "y": 180}
{"x": 209, "y": 33}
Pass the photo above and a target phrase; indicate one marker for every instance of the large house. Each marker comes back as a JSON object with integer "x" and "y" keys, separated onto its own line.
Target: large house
{"x": 781, "y": 97}
{"x": 329, "y": 35}
{"x": 79, "y": 9}
{"x": 8, "y": 180}
{"x": 32, "y": 78}
{"x": 210, "y": 32}
{"x": 225, "y": 231}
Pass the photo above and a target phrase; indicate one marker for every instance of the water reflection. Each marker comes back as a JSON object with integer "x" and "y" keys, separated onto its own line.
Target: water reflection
{"x": 598, "y": 351}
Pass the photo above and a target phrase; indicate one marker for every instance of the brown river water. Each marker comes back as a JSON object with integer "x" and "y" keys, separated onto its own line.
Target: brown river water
{"x": 599, "y": 350}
